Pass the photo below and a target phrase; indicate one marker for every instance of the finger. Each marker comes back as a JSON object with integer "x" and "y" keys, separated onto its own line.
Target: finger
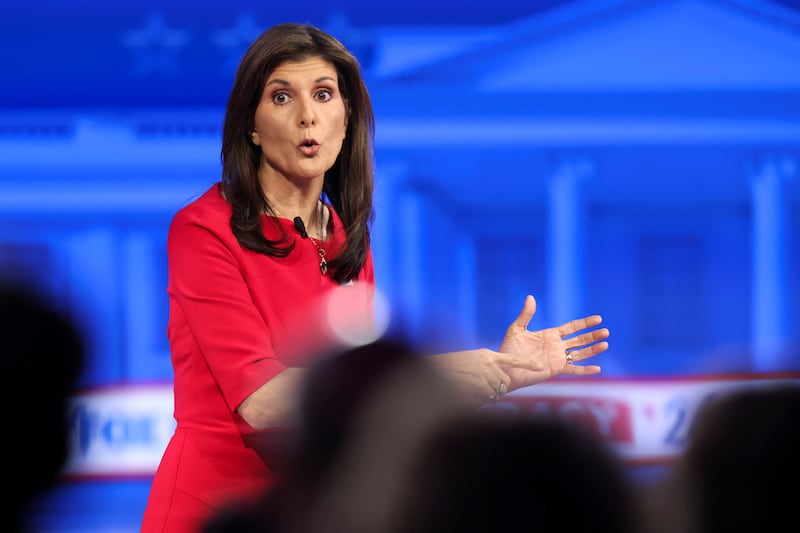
{"x": 589, "y": 351}
{"x": 492, "y": 396}
{"x": 480, "y": 389}
{"x": 587, "y": 338}
{"x": 491, "y": 390}
{"x": 574, "y": 326}
{"x": 499, "y": 382}
{"x": 528, "y": 310}
{"x": 581, "y": 370}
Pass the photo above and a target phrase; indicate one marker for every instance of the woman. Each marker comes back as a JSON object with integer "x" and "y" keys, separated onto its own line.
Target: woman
{"x": 253, "y": 263}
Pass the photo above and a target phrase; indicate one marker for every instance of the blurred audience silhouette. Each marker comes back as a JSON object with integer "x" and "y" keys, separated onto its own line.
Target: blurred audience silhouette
{"x": 738, "y": 468}
{"x": 385, "y": 445}
{"x": 489, "y": 472}
{"x": 43, "y": 356}
{"x": 382, "y": 389}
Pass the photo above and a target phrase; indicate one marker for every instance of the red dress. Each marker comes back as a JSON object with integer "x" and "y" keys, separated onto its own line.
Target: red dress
{"x": 234, "y": 321}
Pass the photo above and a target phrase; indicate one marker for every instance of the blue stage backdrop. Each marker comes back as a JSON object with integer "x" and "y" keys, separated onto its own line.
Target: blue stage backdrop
{"x": 633, "y": 159}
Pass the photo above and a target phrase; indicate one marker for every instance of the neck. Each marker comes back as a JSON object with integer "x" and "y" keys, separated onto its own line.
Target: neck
{"x": 307, "y": 210}
{"x": 314, "y": 221}
{"x": 290, "y": 198}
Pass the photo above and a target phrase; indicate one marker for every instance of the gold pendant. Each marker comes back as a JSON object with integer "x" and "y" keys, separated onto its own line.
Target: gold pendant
{"x": 323, "y": 263}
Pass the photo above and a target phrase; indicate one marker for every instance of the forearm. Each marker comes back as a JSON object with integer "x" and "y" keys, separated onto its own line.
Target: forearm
{"x": 275, "y": 403}
{"x": 473, "y": 373}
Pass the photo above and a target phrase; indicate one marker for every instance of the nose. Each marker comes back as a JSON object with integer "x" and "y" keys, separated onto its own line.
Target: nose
{"x": 306, "y": 113}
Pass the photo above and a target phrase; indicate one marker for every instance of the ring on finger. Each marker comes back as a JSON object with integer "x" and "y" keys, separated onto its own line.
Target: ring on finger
{"x": 569, "y": 358}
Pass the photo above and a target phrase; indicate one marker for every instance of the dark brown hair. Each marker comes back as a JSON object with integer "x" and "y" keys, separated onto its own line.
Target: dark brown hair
{"x": 348, "y": 183}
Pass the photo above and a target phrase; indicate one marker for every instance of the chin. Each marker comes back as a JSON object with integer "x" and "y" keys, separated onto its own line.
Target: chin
{"x": 316, "y": 172}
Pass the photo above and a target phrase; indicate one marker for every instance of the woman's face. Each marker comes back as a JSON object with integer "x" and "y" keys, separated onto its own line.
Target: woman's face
{"x": 301, "y": 120}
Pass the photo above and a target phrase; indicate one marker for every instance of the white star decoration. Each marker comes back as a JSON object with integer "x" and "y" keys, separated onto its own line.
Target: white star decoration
{"x": 357, "y": 40}
{"x": 235, "y": 40}
{"x": 156, "y": 46}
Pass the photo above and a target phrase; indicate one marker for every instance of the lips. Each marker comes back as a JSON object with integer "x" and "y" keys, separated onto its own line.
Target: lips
{"x": 309, "y": 147}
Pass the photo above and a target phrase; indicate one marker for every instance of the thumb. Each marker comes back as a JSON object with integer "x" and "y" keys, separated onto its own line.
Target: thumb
{"x": 528, "y": 310}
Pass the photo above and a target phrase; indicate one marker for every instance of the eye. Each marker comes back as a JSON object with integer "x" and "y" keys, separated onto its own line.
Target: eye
{"x": 280, "y": 98}
{"x": 324, "y": 95}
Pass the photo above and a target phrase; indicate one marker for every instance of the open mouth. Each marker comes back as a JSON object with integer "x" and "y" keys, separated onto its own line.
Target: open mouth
{"x": 309, "y": 147}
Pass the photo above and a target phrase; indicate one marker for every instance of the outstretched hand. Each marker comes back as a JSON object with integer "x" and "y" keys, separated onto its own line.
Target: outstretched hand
{"x": 552, "y": 351}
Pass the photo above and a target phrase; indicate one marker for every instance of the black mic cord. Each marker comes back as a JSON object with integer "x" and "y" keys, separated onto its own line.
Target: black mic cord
{"x": 300, "y": 227}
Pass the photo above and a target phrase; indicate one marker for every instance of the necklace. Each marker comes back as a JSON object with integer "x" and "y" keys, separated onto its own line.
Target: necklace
{"x": 319, "y": 244}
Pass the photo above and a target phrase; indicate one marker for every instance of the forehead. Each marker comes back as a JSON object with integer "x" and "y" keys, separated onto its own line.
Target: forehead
{"x": 313, "y": 68}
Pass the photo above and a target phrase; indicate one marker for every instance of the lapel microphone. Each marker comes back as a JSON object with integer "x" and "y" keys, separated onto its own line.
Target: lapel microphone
{"x": 300, "y": 227}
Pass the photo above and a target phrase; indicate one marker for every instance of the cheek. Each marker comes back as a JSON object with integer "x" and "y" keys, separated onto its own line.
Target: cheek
{"x": 343, "y": 132}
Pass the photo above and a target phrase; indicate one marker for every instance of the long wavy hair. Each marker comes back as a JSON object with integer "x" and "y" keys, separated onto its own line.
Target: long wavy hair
{"x": 349, "y": 183}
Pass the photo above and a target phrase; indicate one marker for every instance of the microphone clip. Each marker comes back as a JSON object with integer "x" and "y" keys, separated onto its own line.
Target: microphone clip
{"x": 300, "y": 227}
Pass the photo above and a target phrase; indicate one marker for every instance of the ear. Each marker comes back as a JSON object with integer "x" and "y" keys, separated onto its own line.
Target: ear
{"x": 255, "y": 138}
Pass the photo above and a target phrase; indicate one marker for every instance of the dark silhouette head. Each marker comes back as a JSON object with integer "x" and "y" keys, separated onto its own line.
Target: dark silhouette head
{"x": 503, "y": 473}
{"x": 43, "y": 356}
{"x": 741, "y": 461}
{"x": 336, "y": 392}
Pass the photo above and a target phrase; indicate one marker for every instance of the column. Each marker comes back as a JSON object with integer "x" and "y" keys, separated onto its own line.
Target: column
{"x": 770, "y": 328}
{"x": 393, "y": 242}
{"x": 565, "y": 240}
{"x": 410, "y": 238}
{"x": 389, "y": 180}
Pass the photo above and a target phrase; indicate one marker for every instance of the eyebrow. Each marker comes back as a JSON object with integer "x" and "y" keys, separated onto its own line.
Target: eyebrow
{"x": 285, "y": 82}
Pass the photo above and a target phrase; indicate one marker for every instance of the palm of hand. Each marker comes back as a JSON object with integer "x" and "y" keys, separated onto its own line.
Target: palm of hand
{"x": 540, "y": 355}
{"x": 545, "y": 349}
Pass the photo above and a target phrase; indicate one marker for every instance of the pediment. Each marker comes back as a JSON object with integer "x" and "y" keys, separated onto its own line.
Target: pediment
{"x": 678, "y": 45}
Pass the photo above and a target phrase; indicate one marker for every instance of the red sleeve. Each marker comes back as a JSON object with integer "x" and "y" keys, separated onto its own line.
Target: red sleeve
{"x": 206, "y": 282}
